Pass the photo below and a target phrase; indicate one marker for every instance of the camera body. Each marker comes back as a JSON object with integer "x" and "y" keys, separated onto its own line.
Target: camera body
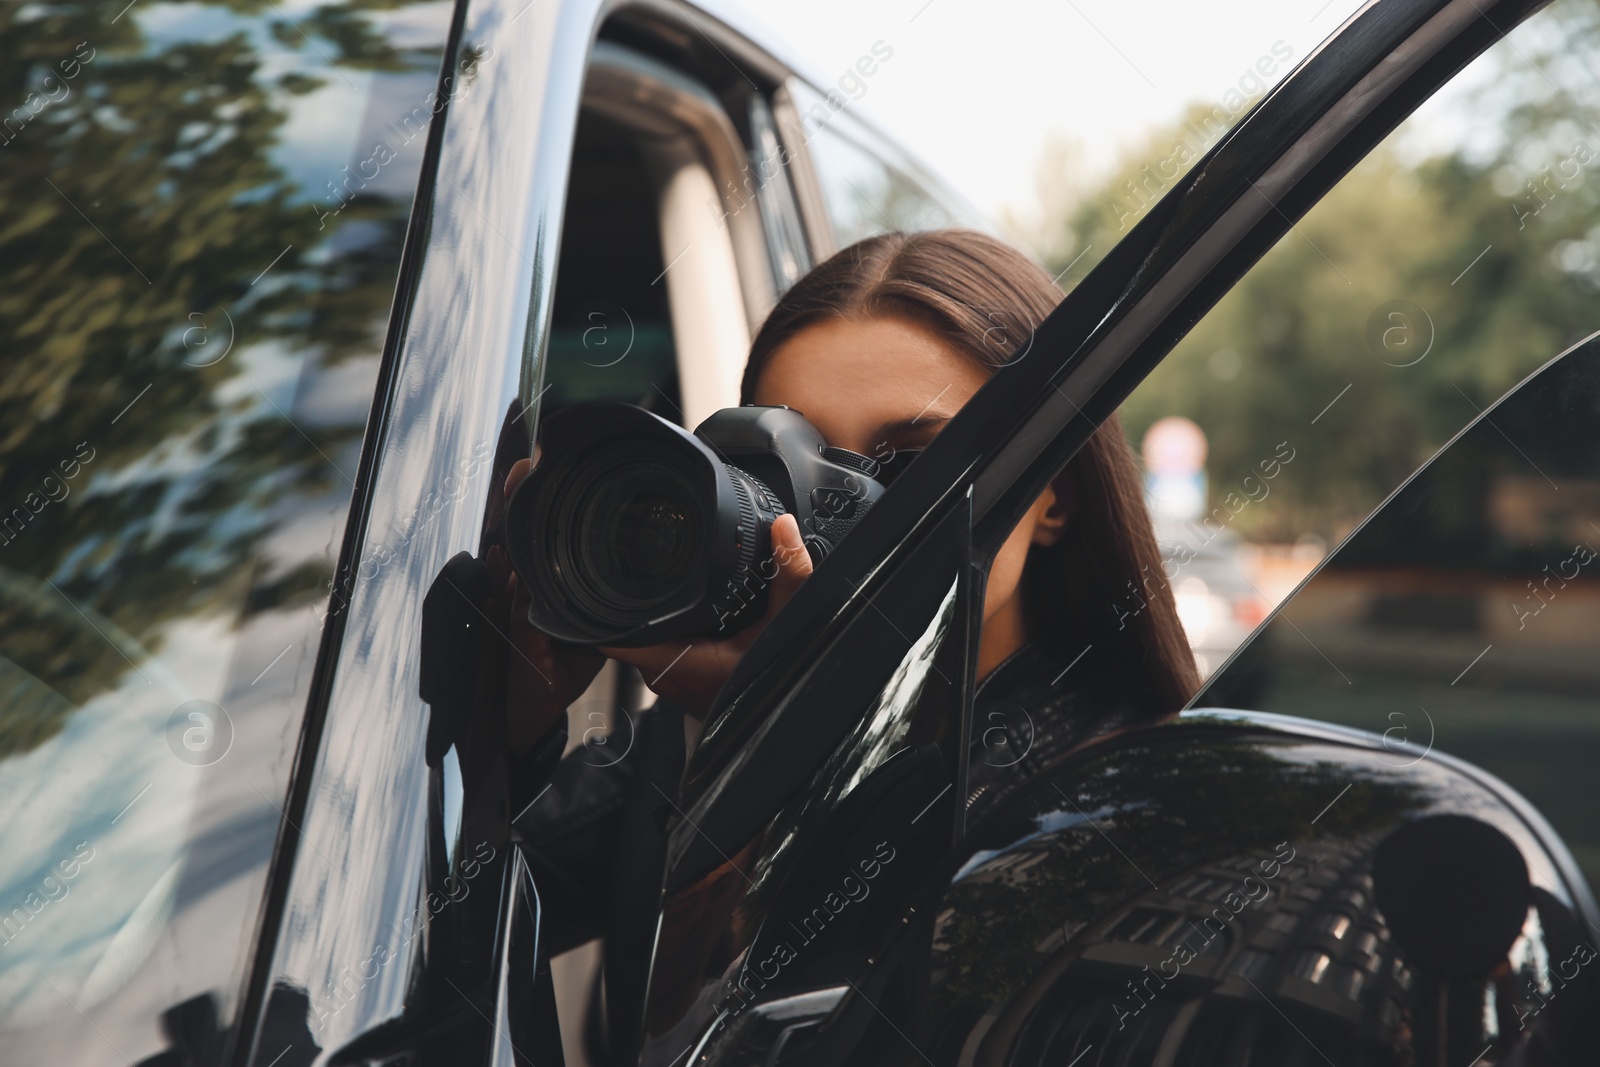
{"x": 631, "y": 531}
{"x": 826, "y": 489}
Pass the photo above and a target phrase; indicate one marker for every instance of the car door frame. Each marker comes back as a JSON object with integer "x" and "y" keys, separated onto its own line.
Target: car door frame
{"x": 464, "y": 350}
{"x": 1023, "y": 425}
{"x": 781, "y": 714}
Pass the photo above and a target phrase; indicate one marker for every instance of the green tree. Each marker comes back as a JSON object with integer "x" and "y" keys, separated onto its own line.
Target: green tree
{"x": 1494, "y": 238}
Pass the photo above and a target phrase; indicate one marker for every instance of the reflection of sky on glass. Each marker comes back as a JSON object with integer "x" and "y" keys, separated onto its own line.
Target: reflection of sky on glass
{"x": 111, "y": 753}
{"x": 416, "y": 26}
{"x": 334, "y": 121}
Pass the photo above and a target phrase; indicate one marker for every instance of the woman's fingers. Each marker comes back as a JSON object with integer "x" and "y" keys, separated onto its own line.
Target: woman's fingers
{"x": 687, "y": 672}
{"x": 652, "y": 660}
{"x": 519, "y": 470}
{"x": 793, "y": 563}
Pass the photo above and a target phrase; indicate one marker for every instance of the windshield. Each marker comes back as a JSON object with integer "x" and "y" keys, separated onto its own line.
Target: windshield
{"x": 202, "y": 208}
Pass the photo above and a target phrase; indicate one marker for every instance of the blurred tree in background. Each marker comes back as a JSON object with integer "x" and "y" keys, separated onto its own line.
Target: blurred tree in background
{"x": 1482, "y": 211}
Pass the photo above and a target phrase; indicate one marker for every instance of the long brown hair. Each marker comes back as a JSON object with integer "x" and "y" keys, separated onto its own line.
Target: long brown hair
{"x": 1102, "y": 582}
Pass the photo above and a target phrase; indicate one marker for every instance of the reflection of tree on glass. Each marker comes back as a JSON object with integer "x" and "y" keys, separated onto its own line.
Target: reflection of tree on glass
{"x": 193, "y": 358}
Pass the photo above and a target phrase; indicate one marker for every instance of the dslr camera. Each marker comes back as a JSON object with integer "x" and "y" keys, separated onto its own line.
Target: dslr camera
{"x": 632, "y": 531}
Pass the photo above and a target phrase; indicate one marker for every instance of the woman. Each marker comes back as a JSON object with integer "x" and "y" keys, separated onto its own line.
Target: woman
{"x": 878, "y": 347}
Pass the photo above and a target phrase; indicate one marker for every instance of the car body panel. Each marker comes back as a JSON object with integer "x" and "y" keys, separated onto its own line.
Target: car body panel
{"x": 1236, "y": 920}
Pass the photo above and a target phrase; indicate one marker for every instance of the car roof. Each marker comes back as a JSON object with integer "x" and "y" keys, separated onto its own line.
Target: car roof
{"x": 746, "y": 21}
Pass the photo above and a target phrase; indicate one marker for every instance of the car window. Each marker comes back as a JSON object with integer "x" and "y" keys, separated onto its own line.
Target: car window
{"x": 1452, "y": 261}
{"x": 776, "y": 193}
{"x": 611, "y": 327}
{"x": 863, "y": 193}
{"x": 203, "y": 211}
{"x": 1463, "y": 615}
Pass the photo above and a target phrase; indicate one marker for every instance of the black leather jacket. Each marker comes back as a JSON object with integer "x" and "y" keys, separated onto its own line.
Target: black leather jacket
{"x": 593, "y": 837}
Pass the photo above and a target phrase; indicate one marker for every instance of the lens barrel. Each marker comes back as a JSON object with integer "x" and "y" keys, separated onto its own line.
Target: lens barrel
{"x": 632, "y": 531}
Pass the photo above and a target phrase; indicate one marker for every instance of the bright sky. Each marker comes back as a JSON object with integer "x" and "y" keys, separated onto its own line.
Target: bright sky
{"x": 977, "y": 88}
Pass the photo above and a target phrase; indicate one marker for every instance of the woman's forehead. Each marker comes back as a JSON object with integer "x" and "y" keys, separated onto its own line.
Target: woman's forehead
{"x": 854, "y": 378}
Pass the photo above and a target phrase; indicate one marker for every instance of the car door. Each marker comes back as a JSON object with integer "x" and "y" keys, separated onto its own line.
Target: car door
{"x": 594, "y": 229}
{"x": 841, "y": 725}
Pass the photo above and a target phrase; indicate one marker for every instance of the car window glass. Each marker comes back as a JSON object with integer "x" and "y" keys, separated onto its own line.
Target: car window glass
{"x": 204, "y": 207}
{"x": 780, "y": 215}
{"x": 1464, "y": 614}
{"x": 864, "y": 195}
{"x": 1453, "y": 260}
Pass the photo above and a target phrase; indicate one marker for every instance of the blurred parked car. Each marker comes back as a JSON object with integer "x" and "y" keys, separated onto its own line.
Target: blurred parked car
{"x": 1217, "y": 602}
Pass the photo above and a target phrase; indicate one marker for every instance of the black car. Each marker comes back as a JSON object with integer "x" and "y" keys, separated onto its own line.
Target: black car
{"x": 288, "y": 290}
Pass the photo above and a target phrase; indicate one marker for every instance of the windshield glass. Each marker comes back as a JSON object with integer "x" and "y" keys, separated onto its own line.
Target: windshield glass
{"x": 202, "y": 208}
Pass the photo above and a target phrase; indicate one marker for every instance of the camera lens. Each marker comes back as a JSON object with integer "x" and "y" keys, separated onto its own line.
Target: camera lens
{"x": 636, "y": 535}
{"x": 623, "y": 527}
{"x": 632, "y": 530}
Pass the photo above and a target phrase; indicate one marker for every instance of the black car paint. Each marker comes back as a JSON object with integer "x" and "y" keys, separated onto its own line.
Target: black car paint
{"x": 1042, "y": 951}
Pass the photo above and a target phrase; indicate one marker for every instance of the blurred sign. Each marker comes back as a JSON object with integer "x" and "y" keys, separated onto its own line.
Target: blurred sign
{"x": 1175, "y": 479}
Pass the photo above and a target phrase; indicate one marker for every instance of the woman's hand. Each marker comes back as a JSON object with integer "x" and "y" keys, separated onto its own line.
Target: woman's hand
{"x": 690, "y": 673}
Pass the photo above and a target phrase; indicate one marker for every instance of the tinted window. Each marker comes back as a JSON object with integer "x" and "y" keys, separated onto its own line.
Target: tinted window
{"x": 1465, "y": 613}
{"x": 611, "y": 337}
{"x": 201, "y": 216}
{"x": 864, "y": 194}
